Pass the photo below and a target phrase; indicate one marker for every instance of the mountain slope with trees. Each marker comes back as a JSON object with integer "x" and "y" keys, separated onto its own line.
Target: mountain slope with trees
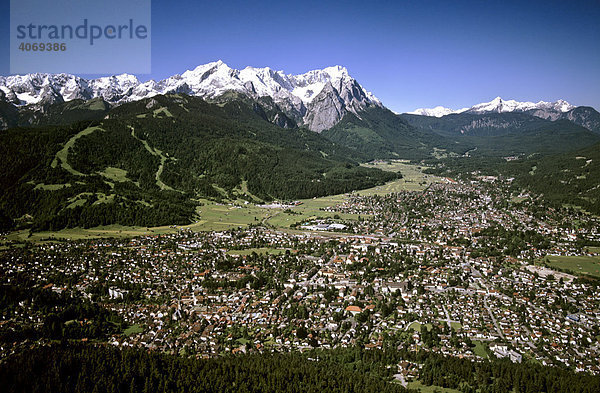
{"x": 506, "y": 134}
{"x": 379, "y": 133}
{"x": 146, "y": 162}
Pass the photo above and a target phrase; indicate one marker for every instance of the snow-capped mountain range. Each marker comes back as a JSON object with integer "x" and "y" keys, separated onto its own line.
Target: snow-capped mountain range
{"x": 498, "y": 105}
{"x": 438, "y": 111}
{"x": 317, "y": 99}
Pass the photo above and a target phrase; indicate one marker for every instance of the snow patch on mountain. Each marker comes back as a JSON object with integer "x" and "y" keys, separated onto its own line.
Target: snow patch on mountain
{"x": 438, "y": 111}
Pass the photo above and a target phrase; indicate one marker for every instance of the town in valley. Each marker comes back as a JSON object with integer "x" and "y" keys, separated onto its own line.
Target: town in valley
{"x": 468, "y": 267}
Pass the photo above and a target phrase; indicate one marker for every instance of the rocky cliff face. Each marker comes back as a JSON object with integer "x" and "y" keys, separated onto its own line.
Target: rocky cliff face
{"x": 584, "y": 116}
{"x": 325, "y": 110}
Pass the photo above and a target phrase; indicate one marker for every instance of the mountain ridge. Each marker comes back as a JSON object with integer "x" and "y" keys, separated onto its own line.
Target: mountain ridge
{"x": 498, "y": 105}
{"x": 317, "y": 99}
{"x": 584, "y": 116}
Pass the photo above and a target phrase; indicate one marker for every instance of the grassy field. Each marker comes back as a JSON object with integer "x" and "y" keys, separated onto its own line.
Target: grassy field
{"x": 133, "y": 329}
{"x": 50, "y": 187}
{"x": 217, "y": 217}
{"x": 94, "y": 105}
{"x": 211, "y": 217}
{"x": 117, "y": 231}
{"x": 479, "y": 349}
{"x": 517, "y": 199}
{"x": 81, "y": 198}
{"x": 242, "y": 191}
{"x": 157, "y": 153}
{"x": 103, "y": 198}
{"x": 576, "y": 264}
{"x": 417, "y": 385}
{"x": 77, "y": 202}
{"x": 115, "y": 174}
{"x": 10, "y": 246}
{"x": 162, "y": 111}
{"x": 413, "y": 178}
{"x": 63, "y": 154}
{"x": 309, "y": 209}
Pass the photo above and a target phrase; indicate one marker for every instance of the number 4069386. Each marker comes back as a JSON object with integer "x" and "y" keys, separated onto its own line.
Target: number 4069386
{"x": 43, "y": 47}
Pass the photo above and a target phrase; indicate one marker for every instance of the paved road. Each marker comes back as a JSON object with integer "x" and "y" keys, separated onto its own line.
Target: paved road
{"x": 448, "y": 320}
{"x": 477, "y": 273}
{"x": 489, "y": 310}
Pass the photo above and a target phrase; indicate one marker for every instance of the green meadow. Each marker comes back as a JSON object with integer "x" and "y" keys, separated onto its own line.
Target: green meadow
{"x": 576, "y": 264}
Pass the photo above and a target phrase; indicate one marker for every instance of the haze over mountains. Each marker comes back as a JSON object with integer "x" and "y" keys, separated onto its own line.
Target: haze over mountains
{"x": 584, "y": 116}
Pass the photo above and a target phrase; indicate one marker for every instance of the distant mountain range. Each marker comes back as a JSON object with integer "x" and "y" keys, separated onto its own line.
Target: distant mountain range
{"x": 317, "y": 100}
{"x": 498, "y": 105}
{"x": 504, "y": 116}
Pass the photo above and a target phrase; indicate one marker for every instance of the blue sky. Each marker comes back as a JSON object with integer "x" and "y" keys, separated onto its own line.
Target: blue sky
{"x": 410, "y": 54}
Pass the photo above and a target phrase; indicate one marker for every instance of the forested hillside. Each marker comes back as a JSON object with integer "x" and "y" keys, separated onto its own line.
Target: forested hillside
{"x": 507, "y": 134}
{"x": 379, "y": 133}
{"x": 97, "y": 369}
{"x": 147, "y": 163}
{"x": 570, "y": 178}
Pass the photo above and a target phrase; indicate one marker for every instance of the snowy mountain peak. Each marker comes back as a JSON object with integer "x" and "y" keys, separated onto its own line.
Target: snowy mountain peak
{"x": 498, "y": 105}
{"x": 214, "y": 66}
{"x": 438, "y": 111}
{"x": 331, "y": 91}
{"x": 336, "y": 72}
{"x": 117, "y": 80}
{"x": 563, "y": 106}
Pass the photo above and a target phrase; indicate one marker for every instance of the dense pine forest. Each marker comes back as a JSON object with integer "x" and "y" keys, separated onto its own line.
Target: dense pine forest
{"x": 104, "y": 369}
{"x": 569, "y": 178}
{"x": 505, "y": 134}
{"x": 87, "y": 368}
{"x": 379, "y": 133}
{"x": 59, "y": 313}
